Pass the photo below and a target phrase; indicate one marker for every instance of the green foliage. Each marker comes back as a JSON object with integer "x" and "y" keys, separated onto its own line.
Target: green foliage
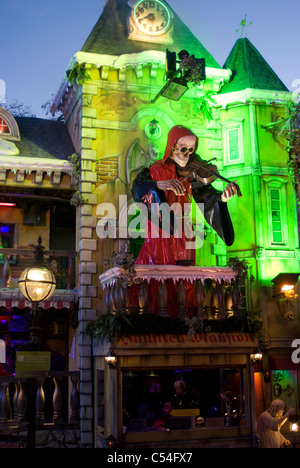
{"x": 239, "y": 266}
{"x": 204, "y": 105}
{"x": 191, "y": 68}
{"x": 113, "y": 326}
{"x": 78, "y": 74}
{"x": 288, "y": 129}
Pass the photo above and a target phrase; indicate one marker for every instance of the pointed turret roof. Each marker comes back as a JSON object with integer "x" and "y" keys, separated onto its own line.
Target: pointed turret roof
{"x": 250, "y": 70}
{"x": 110, "y": 36}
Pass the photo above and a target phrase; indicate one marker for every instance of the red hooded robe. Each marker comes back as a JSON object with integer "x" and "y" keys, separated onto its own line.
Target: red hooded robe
{"x": 160, "y": 250}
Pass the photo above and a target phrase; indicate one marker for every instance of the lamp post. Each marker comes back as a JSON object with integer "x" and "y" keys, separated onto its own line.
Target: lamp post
{"x": 37, "y": 283}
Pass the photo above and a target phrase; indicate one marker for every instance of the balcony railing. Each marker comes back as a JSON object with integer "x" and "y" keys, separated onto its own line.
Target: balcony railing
{"x": 51, "y": 398}
{"x": 16, "y": 260}
{"x": 215, "y": 289}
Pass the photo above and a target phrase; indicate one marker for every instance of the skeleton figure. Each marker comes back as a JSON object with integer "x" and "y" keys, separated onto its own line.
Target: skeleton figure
{"x": 181, "y": 152}
{"x": 269, "y": 424}
{"x": 162, "y": 183}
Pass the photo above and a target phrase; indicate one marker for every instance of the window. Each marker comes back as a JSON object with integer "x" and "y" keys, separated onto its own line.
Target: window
{"x": 277, "y": 213}
{"x": 7, "y": 235}
{"x": 233, "y": 143}
{"x": 8, "y": 126}
{"x": 4, "y": 128}
{"x": 277, "y": 235}
{"x": 183, "y": 399}
{"x": 7, "y": 232}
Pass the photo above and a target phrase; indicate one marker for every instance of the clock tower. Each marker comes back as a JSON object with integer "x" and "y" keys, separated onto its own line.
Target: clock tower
{"x": 117, "y": 127}
{"x": 150, "y": 21}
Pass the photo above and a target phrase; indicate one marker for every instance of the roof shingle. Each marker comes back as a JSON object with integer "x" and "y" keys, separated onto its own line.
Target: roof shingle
{"x": 109, "y": 36}
{"x": 44, "y": 138}
{"x": 250, "y": 69}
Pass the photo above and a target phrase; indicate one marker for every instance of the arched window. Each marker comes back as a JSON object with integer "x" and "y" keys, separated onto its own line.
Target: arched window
{"x": 4, "y": 128}
{"x": 8, "y": 126}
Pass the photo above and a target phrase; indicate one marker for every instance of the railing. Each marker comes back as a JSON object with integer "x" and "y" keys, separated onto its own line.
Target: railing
{"x": 23, "y": 258}
{"x": 43, "y": 400}
{"x": 216, "y": 292}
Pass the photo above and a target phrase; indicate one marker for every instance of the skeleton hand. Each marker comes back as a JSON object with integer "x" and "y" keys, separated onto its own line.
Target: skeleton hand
{"x": 173, "y": 184}
{"x": 229, "y": 192}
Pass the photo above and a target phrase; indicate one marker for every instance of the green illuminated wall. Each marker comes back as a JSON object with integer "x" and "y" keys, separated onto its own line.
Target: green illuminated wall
{"x": 122, "y": 112}
{"x": 117, "y": 109}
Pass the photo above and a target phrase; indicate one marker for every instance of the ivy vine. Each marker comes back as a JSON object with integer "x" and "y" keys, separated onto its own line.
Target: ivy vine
{"x": 205, "y": 105}
{"x": 288, "y": 128}
{"x": 240, "y": 267}
{"x": 77, "y": 198}
{"x": 112, "y": 326}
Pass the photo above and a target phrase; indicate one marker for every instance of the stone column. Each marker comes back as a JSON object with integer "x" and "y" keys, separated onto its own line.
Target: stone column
{"x": 87, "y": 266}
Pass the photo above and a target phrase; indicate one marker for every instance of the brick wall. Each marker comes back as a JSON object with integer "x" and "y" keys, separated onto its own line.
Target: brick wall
{"x": 107, "y": 170}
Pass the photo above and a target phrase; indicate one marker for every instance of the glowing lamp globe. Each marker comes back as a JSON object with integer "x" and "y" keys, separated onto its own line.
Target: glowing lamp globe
{"x": 37, "y": 282}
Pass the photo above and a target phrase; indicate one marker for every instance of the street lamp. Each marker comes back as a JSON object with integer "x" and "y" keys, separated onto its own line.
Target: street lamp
{"x": 174, "y": 89}
{"x": 37, "y": 283}
{"x": 284, "y": 290}
{"x": 111, "y": 359}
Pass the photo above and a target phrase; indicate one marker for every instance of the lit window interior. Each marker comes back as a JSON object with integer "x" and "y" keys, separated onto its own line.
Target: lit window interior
{"x": 4, "y": 128}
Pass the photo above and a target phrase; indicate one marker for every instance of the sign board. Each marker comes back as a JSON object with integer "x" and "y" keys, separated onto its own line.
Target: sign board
{"x": 198, "y": 340}
{"x": 2, "y": 351}
{"x": 185, "y": 412}
{"x": 31, "y": 363}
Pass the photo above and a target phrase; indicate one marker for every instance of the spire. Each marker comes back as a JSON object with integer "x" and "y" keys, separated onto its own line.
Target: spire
{"x": 110, "y": 35}
{"x": 250, "y": 70}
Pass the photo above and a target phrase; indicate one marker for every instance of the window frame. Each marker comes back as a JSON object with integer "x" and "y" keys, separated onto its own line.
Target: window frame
{"x": 280, "y": 185}
{"x": 14, "y": 134}
{"x": 3, "y": 120}
{"x": 227, "y": 127}
{"x": 13, "y": 258}
{"x": 243, "y": 402}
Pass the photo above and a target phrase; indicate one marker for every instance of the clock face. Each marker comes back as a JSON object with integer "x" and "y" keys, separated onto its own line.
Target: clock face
{"x": 151, "y": 17}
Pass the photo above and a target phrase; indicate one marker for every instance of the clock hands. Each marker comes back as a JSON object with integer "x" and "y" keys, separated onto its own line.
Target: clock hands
{"x": 150, "y": 17}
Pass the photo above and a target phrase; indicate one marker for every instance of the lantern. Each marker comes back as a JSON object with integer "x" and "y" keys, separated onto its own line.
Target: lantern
{"x": 37, "y": 282}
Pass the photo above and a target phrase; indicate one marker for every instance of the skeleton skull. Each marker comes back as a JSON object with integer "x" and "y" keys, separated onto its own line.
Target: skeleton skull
{"x": 290, "y": 315}
{"x": 182, "y": 149}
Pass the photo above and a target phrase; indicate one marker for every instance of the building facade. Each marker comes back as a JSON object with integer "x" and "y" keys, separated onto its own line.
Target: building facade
{"x": 118, "y": 123}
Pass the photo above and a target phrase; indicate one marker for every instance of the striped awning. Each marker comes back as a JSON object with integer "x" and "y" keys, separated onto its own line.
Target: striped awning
{"x": 23, "y": 304}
